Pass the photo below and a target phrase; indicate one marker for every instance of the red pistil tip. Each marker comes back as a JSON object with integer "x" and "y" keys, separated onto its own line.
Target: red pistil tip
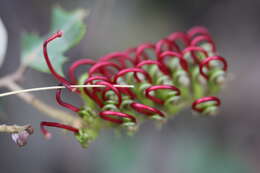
{"x": 59, "y": 33}
{"x": 47, "y": 134}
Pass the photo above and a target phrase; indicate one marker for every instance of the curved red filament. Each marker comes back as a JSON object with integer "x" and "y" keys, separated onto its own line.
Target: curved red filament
{"x": 75, "y": 65}
{"x": 116, "y": 117}
{"x": 170, "y": 46}
{"x": 109, "y": 86}
{"x": 64, "y": 104}
{"x": 147, "y": 110}
{"x": 140, "y": 51}
{"x": 120, "y": 56}
{"x": 160, "y": 87}
{"x": 204, "y": 38}
{"x": 91, "y": 93}
{"x": 203, "y": 100}
{"x": 206, "y": 62}
{"x": 179, "y": 36}
{"x": 192, "y": 50}
{"x": 197, "y": 30}
{"x": 134, "y": 70}
{"x": 153, "y": 62}
{"x": 169, "y": 54}
{"x": 102, "y": 68}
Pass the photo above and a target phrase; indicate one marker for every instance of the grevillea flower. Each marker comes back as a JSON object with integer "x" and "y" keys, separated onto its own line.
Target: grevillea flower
{"x": 181, "y": 70}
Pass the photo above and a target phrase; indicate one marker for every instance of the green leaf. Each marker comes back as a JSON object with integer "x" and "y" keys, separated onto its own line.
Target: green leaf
{"x": 73, "y": 27}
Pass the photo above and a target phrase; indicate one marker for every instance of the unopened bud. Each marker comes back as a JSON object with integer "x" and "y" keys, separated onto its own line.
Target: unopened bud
{"x": 21, "y": 137}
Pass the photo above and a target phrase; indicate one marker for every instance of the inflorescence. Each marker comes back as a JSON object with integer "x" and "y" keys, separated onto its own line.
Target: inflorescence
{"x": 181, "y": 70}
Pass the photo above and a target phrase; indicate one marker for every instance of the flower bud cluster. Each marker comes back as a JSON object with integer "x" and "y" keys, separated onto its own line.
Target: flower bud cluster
{"x": 178, "y": 71}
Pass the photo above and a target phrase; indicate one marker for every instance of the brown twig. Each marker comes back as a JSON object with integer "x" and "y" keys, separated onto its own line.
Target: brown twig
{"x": 9, "y": 82}
{"x": 13, "y": 128}
{"x": 14, "y": 77}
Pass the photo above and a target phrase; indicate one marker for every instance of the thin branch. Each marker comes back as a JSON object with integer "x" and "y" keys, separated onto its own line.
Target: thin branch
{"x": 9, "y": 81}
{"x": 58, "y": 87}
{"x": 45, "y": 108}
{"x": 17, "y": 75}
{"x": 13, "y": 128}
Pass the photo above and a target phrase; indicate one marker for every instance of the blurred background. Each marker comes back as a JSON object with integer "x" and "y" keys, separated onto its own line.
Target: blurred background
{"x": 227, "y": 143}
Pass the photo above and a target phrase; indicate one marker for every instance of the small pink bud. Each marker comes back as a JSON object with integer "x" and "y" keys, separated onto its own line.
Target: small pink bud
{"x": 21, "y": 137}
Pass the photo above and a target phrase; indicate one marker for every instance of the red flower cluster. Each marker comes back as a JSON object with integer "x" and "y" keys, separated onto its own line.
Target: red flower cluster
{"x": 167, "y": 75}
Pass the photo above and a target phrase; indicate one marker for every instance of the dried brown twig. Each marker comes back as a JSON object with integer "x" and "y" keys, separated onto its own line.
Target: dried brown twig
{"x": 10, "y": 82}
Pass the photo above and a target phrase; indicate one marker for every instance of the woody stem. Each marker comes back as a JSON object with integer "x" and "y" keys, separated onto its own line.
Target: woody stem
{"x": 43, "y": 107}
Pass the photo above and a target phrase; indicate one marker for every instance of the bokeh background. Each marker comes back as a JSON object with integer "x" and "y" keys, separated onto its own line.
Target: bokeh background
{"x": 228, "y": 143}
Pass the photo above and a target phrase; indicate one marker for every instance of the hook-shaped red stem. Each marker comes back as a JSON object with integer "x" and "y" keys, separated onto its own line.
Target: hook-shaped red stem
{"x": 48, "y": 62}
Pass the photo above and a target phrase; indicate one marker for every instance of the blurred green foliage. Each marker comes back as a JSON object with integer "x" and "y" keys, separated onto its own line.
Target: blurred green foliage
{"x": 184, "y": 154}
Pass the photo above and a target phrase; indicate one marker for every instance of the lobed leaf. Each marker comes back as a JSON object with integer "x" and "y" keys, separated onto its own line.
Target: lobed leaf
{"x": 71, "y": 23}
